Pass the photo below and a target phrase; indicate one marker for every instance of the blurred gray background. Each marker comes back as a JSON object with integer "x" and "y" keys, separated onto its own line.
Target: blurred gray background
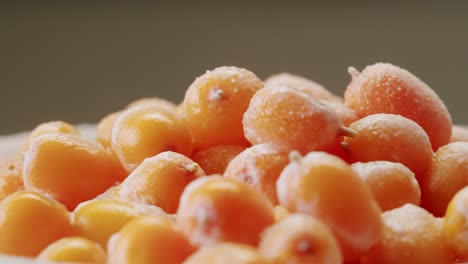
{"x": 77, "y": 61}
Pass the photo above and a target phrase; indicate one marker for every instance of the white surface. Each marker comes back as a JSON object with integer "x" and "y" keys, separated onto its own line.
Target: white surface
{"x": 10, "y": 144}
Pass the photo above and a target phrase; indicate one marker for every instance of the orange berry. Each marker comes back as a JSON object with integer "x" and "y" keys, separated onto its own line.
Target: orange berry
{"x": 214, "y": 104}
{"x": 391, "y": 138}
{"x": 145, "y": 131}
{"x": 290, "y": 119}
{"x": 300, "y": 239}
{"x": 447, "y": 175}
{"x": 30, "y": 222}
{"x": 385, "y": 88}
{"x": 154, "y": 101}
{"x": 392, "y": 184}
{"x": 11, "y": 179}
{"x": 160, "y": 180}
{"x": 411, "y": 235}
{"x": 104, "y": 129}
{"x": 456, "y": 224}
{"x": 459, "y": 133}
{"x": 74, "y": 249}
{"x": 324, "y": 186}
{"x": 98, "y": 220}
{"x": 259, "y": 166}
{"x": 216, "y": 209}
{"x": 69, "y": 169}
{"x": 214, "y": 160}
{"x": 227, "y": 253}
{"x": 148, "y": 240}
{"x": 50, "y": 127}
{"x": 303, "y": 85}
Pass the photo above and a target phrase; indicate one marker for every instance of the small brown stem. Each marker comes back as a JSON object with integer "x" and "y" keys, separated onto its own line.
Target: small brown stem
{"x": 216, "y": 94}
{"x": 294, "y": 156}
{"x": 191, "y": 168}
{"x": 344, "y": 145}
{"x": 353, "y": 72}
{"x": 347, "y": 132}
{"x": 304, "y": 246}
{"x": 203, "y": 217}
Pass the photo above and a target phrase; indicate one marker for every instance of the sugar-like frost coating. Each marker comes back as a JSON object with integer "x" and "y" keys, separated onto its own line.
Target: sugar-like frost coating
{"x": 385, "y": 88}
{"x": 290, "y": 119}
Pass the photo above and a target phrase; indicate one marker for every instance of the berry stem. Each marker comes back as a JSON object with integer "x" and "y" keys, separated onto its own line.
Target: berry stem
{"x": 347, "y": 132}
{"x": 294, "y": 156}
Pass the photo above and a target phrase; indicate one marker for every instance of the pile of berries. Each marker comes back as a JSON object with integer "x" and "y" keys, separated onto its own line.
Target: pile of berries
{"x": 248, "y": 171}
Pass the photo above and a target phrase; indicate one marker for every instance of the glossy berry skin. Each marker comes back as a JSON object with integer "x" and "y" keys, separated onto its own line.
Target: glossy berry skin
{"x": 69, "y": 169}
{"x": 148, "y": 240}
{"x": 215, "y": 209}
{"x": 30, "y": 222}
{"x": 98, "y": 220}
{"x": 144, "y": 131}
{"x": 74, "y": 249}
{"x": 214, "y": 104}
{"x": 324, "y": 186}
{"x": 392, "y": 184}
{"x": 300, "y": 239}
{"x": 456, "y": 224}
{"x": 160, "y": 180}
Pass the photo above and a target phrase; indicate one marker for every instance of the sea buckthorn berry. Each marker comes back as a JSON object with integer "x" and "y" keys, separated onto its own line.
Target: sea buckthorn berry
{"x": 74, "y": 249}
{"x": 325, "y": 187}
{"x": 459, "y": 133}
{"x": 145, "y": 131}
{"x": 160, "y": 180}
{"x": 391, "y": 138}
{"x": 214, "y": 104}
{"x": 98, "y": 220}
{"x": 385, "y": 88}
{"x": 290, "y": 119}
{"x": 456, "y": 224}
{"x": 214, "y": 160}
{"x": 392, "y": 184}
{"x": 154, "y": 101}
{"x": 104, "y": 129}
{"x": 148, "y": 240}
{"x": 69, "y": 169}
{"x": 300, "y": 239}
{"x": 303, "y": 85}
{"x": 11, "y": 179}
{"x": 447, "y": 175}
{"x": 50, "y": 127}
{"x": 259, "y": 166}
{"x": 216, "y": 209}
{"x": 411, "y": 235}
{"x": 30, "y": 222}
{"x": 227, "y": 253}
